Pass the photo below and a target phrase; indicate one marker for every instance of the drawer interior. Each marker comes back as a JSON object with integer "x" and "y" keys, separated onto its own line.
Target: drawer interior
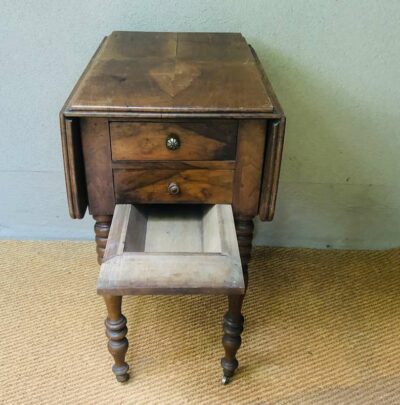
{"x": 173, "y": 228}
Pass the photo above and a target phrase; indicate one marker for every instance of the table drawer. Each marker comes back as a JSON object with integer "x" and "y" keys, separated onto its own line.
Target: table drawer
{"x": 207, "y": 140}
{"x": 173, "y": 186}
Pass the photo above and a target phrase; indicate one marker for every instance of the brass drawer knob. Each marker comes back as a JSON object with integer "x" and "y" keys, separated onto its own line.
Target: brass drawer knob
{"x": 173, "y": 142}
{"x": 173, "y": 189}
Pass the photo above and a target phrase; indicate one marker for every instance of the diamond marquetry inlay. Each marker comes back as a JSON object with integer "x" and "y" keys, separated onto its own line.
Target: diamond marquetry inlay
{"x": 174, "y": 77}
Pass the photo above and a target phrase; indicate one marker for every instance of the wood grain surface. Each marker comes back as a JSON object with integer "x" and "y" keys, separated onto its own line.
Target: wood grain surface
{"x": 98, "y": 172}
{"x": 196, "y": 186}
{"x": 174, "y": 164}
{"x": 205, "y": 81}
{"x": 273, "y": 152}
{"x": 249, "y": 164}
{"x": 73, "y": 167}
{"x": 172, "y": 72}
{"x": 204, "y": 140}
{"x": 272, "y": 166}
{"x": 189, "y": 249}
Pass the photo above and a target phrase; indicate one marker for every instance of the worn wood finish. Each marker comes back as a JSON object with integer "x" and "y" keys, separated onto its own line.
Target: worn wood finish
{"x": 244, "y": 233}
{"x": 175, "y": 165}
{"x": 137, "y": 115}
{"x": 116, "y": 331}
{"x": 172, "y": 250}
{"x": 73, "y": 167}
{"x": 220, "y": 50}
{"x": 73, "y": 211}
{"x": 278, "y": 110}
{"x": 98, "y": 171}
{"x": 231, "y": 340}
{"x": 195, "y": 186}
{"x": 77, "y": 196}
{"x": 250, "y": 155}
{"x": 210, "y": 90}
{"x": 233, "y": 320}
{"x": 272, "y": 166}
{"x": 273, "y": 152}
{"x": 172, "y": 72}
{"x": 206, "y": 140}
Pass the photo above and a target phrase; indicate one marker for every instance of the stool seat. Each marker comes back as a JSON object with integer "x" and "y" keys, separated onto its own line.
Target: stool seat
{"x": 171, "y": 249}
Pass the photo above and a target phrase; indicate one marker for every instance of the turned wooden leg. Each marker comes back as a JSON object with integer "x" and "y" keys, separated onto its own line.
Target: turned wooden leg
{"x": 233, "y": 319}
{"x": 233, "y": 327}
{"x": 244, "y": 233}
{"x": 116, "y": 331}
{"x": 101, "y": 229}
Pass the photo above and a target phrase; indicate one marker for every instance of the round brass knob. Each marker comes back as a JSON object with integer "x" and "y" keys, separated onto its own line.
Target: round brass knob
{"x": 173, "y": 189}
{"x": 173, "y": 142}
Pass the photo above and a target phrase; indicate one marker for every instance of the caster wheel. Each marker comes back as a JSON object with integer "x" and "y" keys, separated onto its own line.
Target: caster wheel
{"x": 122, "y": 378}
{"x": 225, "y": 380}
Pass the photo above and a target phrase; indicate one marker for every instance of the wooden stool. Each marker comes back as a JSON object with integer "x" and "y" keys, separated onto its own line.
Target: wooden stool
{"x": 171, "y": 249}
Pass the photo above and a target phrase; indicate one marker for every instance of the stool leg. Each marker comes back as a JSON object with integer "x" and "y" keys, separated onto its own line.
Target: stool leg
{"x": 116, "y": 331}
{"x": 233, "y": 327}
{"x": 233, "y": 319}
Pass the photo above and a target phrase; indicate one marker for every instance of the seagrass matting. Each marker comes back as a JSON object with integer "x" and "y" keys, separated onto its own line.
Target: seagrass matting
{"x": 322, "y": 327}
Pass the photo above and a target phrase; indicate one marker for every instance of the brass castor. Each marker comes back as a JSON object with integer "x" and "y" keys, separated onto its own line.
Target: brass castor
{"x": 122, "y": 378}
{"x": 225, "y": 379}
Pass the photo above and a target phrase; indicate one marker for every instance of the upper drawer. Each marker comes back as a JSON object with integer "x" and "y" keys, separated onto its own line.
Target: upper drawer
{"x": 206, "y": 140}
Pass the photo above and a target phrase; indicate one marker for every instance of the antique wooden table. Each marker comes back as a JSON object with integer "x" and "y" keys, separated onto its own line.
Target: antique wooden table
{"x": 173, "y": 118}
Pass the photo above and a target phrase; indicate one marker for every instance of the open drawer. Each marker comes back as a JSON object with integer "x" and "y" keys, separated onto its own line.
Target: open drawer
{"x": 171, "y": 249}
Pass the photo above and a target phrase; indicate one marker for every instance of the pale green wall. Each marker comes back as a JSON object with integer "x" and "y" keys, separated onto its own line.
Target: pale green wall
{"x": 335, "y": 65}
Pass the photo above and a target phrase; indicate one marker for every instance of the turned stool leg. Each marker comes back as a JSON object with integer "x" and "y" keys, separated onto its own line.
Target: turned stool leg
{"x": 116, "y": 331}
{"x": 233, "y": 327}
{"x": 233, "y": 319}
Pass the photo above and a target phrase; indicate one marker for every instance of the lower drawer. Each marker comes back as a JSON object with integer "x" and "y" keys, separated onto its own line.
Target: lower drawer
{"x": 173, "y": 186}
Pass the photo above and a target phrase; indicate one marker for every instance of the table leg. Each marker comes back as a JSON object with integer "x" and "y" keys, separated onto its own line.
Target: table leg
{"x": 101, "y": 229}
{"x": 116, "y": 331}
{"x": 233, "y": 319}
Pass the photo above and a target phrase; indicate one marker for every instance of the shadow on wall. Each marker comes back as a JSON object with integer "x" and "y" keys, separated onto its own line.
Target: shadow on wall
{"x": 337, "y": 185}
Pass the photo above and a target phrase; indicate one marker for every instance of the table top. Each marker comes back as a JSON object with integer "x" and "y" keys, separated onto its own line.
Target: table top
{"x": 172, "y": 72}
